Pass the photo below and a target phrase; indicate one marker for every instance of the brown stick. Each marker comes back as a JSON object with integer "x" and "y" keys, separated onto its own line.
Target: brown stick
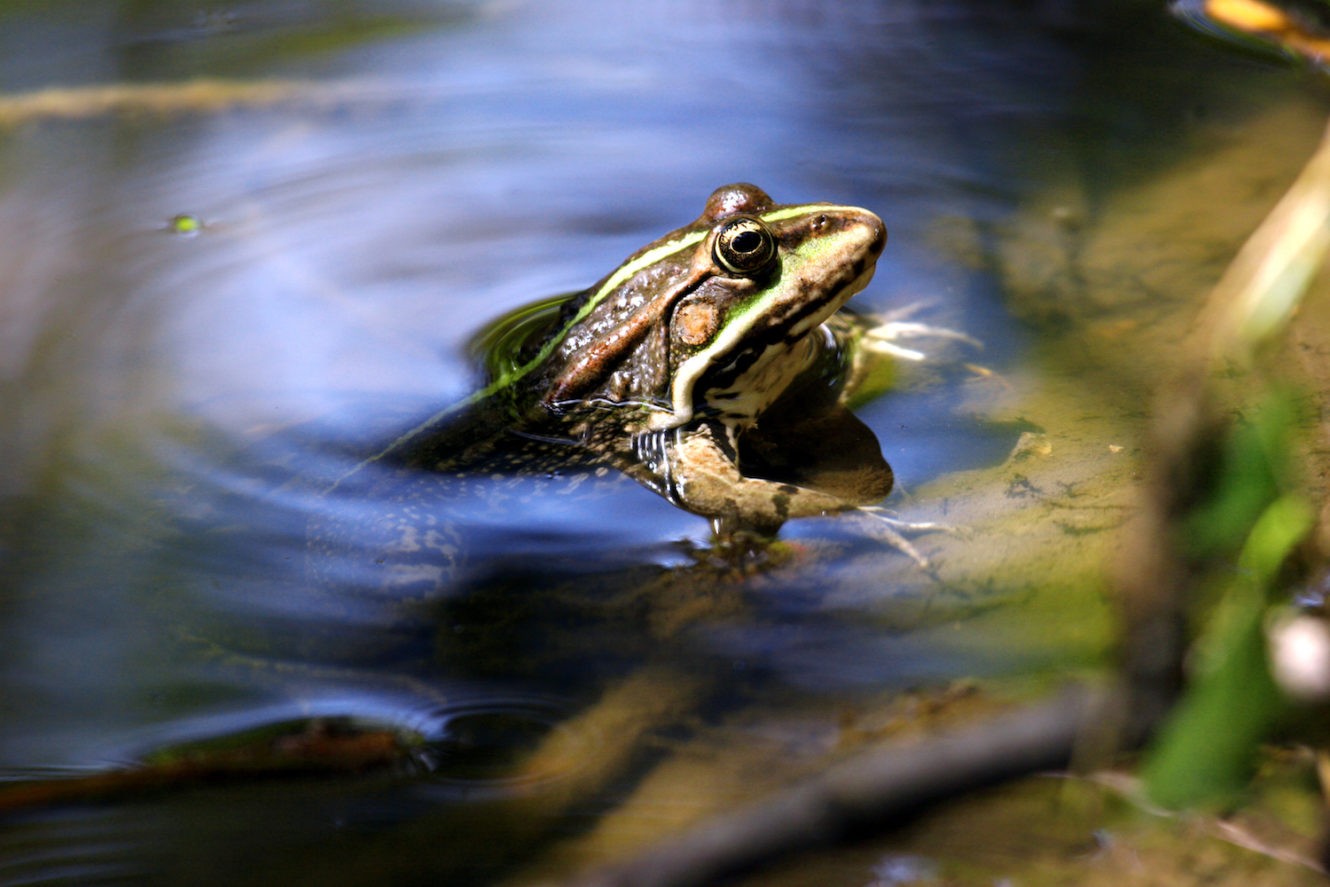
{"x": 868, "y": 792}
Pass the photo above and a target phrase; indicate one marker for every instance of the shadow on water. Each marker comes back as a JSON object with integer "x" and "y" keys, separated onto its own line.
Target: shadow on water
{"x": 177, "y": 404}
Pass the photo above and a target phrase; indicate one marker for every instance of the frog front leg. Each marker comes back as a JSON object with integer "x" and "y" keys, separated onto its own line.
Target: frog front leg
{"x": 697, "y": 468}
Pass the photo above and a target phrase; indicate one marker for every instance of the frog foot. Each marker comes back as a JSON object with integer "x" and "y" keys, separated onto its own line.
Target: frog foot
{"x": 883, "y": 524}
{"x": 894, "y": 327}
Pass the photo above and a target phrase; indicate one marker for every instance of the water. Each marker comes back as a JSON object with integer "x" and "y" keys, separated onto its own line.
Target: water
{"x": 172, "y": 399}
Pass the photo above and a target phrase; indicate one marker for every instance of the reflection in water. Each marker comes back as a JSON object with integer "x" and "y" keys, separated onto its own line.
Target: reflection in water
{"x": 481, "y": 750}
{"x": 174, "y": 405}
{"x": 94, "y": 847}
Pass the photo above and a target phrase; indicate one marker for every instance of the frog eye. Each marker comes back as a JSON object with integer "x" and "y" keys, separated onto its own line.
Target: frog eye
{"x": 744, "y": 246}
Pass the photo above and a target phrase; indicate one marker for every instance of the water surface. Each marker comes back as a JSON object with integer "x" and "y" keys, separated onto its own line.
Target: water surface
{"x": 172, "y": 400}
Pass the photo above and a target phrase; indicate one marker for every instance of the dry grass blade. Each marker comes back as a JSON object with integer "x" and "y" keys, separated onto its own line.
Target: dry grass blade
{"x": 202, "y": 96}
{"x": 1264, "y": 285}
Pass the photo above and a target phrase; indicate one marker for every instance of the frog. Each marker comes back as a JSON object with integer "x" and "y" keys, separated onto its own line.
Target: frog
{"x": 712, "y": 366}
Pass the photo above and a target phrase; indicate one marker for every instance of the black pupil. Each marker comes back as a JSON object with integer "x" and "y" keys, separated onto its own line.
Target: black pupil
{"x": 747, "y": 242}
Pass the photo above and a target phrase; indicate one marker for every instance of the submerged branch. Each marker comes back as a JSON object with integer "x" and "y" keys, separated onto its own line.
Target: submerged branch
{"x": 871, "y": 792}
{"x": 321, "y": 748}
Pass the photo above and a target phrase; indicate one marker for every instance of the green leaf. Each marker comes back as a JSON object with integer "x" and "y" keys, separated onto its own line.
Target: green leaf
{"x": 1206, "y": 750}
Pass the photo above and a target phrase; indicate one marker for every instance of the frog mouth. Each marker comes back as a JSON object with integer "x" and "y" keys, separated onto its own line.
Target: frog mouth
{"x": 809, "y": 314}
